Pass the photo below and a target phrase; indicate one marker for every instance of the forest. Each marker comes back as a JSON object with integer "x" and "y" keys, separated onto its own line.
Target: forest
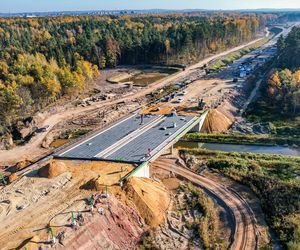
{"x": 42, "y": 59}
{"x": 281, "y": 93}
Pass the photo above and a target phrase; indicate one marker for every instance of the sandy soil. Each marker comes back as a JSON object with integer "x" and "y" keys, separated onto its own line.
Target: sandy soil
{"x": 107, "y": 173}
{"x": 151, "y": 198}
{"x": 29, "y": 204}
{"x": 119, "y": 228}
{"x": 174, "y": 233}
{"x": 212, "y": 91}
{"x": 217, "y": 122}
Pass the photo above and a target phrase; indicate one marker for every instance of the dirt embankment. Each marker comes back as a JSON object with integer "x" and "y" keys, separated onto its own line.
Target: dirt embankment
{"x": 29, "y": 205}
{"x": 119, "y": 228}
{"x": 151, "y": 198}
{"x": 216, "y": 122}
{"x": 225, "y": 113}
{"x": 99, "y": 173}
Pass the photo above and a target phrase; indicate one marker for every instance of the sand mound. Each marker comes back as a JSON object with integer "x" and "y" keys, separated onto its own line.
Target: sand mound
{"x": 53, "y": 169}
{"x": 151, "y": 198}
{"x": 171, "y": 183}
{"x": 216, "y": 122}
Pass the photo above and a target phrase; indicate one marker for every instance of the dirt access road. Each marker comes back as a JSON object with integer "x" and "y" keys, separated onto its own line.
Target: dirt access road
{"x": 244, "y": 233}
{"x": 33, "y": 148}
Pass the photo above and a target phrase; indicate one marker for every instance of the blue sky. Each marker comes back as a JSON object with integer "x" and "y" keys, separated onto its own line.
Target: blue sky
{"x": 57, "y": 5}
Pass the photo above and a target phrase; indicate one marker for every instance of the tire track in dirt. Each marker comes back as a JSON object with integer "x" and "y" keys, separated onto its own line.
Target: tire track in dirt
{"x": 244, "y": 230}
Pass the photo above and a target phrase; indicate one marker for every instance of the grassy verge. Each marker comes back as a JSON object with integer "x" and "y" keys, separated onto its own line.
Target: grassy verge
{"x": 274, "y": 179}
{"x": 261, "y": 111}
{"x": 242, "y": 139}
{"x": 73, "y": 134}
{"x": 236, "y": 55}
{"x": 207, "y": 227}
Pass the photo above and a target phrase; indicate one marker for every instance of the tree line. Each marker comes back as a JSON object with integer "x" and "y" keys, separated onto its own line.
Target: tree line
{"x": 42, "y": 59}
{"x": 283, "y": 86}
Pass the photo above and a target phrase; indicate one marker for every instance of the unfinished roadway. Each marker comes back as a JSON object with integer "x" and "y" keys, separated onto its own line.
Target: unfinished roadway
{"x": 33, "y": 149}
{"x": 244, "y": 235}
{"x": 132, "y": 139}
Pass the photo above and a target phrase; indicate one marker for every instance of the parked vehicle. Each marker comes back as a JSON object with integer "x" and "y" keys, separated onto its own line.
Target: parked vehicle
{"x": 179, "y": 100}
{"x": 166, "y": 99}
{"x": 174, "y": 95}
{"x": 182, "y": 93}
{"x": 43, "y": 129}
{"x": 242, "y": 74}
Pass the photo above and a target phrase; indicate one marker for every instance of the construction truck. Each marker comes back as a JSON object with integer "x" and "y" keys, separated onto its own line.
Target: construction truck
{"x": 201, "y": 104}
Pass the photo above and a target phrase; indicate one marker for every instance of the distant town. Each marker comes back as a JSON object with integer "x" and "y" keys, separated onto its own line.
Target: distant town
{"x": 132, "y": 12}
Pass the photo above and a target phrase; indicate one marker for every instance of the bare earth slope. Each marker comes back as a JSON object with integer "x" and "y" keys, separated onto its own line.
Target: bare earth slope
{"x": 151, "y": 198}
{"x": 245, "y": 234}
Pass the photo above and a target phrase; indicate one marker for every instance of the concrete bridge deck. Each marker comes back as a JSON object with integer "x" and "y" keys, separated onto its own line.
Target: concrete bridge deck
{"x": 129, "y": 140}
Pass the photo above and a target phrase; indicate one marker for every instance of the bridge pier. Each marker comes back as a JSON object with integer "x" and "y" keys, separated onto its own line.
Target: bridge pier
{"x": 172, "y": 150}
{"x": 198, "y": 127}
{"x": 142, "y": 171}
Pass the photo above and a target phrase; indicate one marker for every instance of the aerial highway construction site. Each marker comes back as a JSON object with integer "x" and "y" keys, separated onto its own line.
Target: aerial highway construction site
{"x": 125, "y": 183}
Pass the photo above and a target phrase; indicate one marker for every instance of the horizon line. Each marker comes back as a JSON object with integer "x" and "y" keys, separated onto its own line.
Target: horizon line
{"x": 156, "y": 9}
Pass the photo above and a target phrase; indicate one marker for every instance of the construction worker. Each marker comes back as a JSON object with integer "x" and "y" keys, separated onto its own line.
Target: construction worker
{"x": 4, "y": 182}
{"x": 91, "y": 204}
{"x": 149, "y": 152}
{"x": 142, "y": 119}
{"x": 73, "y": 222}
{"x": 53, "y": 238}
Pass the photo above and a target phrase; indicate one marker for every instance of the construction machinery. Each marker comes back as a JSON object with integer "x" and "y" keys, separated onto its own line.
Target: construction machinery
{"x": 201, "y": 104}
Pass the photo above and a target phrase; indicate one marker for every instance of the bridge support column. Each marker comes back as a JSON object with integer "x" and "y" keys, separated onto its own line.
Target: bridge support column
{"x": 172, "y": 150}
{"x": 143, "y": 171}
{"x": 197, "y": 128}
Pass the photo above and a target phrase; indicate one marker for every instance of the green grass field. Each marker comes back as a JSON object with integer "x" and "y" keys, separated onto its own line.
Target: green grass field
{"x": 245, "y": 139}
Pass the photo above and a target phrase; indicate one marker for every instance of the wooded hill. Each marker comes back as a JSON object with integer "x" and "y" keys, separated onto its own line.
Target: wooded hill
{"x": 283, "y": 86}
{"x": 42, "y": 59}
{"x": 279, "y": 102}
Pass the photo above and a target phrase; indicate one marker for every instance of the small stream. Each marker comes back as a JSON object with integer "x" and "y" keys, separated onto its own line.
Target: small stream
{"x": 255, "y": 149}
